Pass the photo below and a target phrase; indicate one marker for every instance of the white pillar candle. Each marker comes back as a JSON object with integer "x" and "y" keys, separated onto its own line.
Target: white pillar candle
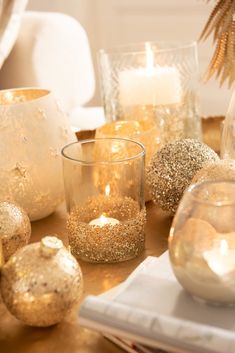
{"x": 153, "y": 85}
{"x": 102, "y": 221}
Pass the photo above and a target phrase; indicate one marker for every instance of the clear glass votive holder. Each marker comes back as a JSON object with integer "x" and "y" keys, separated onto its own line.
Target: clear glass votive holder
{"x": 202, "y": 242}
{"x": 104, "y": 190}
{"x": 144, "y": 131}
{"x": 155, "y": 81}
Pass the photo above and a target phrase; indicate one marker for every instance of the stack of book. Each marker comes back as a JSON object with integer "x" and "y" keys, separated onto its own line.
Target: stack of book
{"x": 150, "y": 312}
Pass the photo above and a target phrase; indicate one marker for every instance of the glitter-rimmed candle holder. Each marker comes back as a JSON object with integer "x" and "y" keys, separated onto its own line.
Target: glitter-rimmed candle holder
{"x": 104, "y": 189}
{"x": 202, "y": 242}
{"x": 153, "y": 80}
{"x": 144, "y": 131}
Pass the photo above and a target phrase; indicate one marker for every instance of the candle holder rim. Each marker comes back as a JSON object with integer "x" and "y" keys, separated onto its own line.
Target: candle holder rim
{"x": 218, "y": 203}
{"x": 126, "y": 49}
{"x": 45, "y": 92}
{"x": 92, "y": 163}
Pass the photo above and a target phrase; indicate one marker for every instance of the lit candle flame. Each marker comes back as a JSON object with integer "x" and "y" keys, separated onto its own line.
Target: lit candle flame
{"x": 223, "y": 247}
{"x": 149, "y": 58}
{"x": 221, "y": 260}
{"x": 107, "y": 190}
{"x": 103, "y": 220}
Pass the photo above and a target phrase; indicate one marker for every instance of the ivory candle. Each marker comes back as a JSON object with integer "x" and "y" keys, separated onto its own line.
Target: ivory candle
{"x": 150, "y": 85}
{"x": 155, "y": 86}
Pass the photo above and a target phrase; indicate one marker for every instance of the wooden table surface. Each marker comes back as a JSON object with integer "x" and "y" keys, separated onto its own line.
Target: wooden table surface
{"x": 68, "y": 336}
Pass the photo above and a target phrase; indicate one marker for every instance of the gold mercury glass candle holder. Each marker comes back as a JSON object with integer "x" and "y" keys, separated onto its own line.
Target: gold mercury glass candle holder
{"x": 153, "y": 80}
{"x": 202, "y": 242}
{"x": 144, "y": 131}
{"x": 104, "y": 189}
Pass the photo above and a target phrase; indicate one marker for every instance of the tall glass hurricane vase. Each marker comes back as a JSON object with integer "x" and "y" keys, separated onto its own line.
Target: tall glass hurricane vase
{"x": 155, "y": 81}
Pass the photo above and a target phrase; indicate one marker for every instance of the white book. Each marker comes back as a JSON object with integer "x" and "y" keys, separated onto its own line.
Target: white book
{"x": 151, "y": 308}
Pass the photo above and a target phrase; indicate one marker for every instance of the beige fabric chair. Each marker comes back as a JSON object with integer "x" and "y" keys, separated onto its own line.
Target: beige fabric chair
{"x": 51, "y": 51}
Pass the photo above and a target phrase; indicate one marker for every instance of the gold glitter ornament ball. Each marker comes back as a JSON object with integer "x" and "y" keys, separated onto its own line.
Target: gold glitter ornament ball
{"x": 172, "y": 169}
{"x": 221, "y": 170}
{"x": 15, "y": 228}
{"x": 41, "y": 282}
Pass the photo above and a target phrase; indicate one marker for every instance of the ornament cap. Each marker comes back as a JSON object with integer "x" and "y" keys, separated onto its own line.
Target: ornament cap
{"x": 50, "y": 245}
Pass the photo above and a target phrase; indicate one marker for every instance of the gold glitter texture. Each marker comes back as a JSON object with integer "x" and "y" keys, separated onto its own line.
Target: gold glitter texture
{"x": 172, "y": 169}
{"x": 109, "y": 243}
{"x": 221, "y": 170}
{"x": 15, "y": 228}
{"x": 41, "y": 283}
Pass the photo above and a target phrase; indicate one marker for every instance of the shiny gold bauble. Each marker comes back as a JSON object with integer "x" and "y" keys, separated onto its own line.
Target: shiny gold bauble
{"x": 41, "y": 283}
{"x": 15, "y": 228}
{"x": 172, "y": 168}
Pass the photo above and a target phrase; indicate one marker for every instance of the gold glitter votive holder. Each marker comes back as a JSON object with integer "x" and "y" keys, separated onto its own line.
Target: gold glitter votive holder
{"x": 104, "y": 189}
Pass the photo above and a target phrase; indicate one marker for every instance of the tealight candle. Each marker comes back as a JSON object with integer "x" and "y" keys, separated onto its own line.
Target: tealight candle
{"x": 102, "y": 221}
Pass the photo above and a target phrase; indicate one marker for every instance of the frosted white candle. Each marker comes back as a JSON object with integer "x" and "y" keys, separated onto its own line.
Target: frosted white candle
{"x": 102, "y": 220}
{"x": 155, "y": 86}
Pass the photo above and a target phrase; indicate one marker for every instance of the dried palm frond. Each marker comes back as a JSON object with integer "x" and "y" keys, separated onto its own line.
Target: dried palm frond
{"x": 221, "y": 23}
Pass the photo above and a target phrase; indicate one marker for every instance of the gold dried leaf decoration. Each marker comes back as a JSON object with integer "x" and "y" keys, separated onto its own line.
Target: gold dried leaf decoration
{"x": 221, "y": 23}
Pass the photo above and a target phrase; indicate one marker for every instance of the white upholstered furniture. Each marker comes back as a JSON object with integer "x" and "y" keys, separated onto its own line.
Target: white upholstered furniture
{"x": 52, "y": 51}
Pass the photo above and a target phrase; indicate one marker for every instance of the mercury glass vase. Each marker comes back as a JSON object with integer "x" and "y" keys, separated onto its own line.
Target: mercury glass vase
{"x": 202, "y": 242}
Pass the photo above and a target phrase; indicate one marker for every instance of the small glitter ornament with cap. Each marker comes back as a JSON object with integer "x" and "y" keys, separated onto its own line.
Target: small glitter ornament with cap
{"x": 172, "y": 169}
{"x": 15, "y": 228}
{"x": 41, "y": 283}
